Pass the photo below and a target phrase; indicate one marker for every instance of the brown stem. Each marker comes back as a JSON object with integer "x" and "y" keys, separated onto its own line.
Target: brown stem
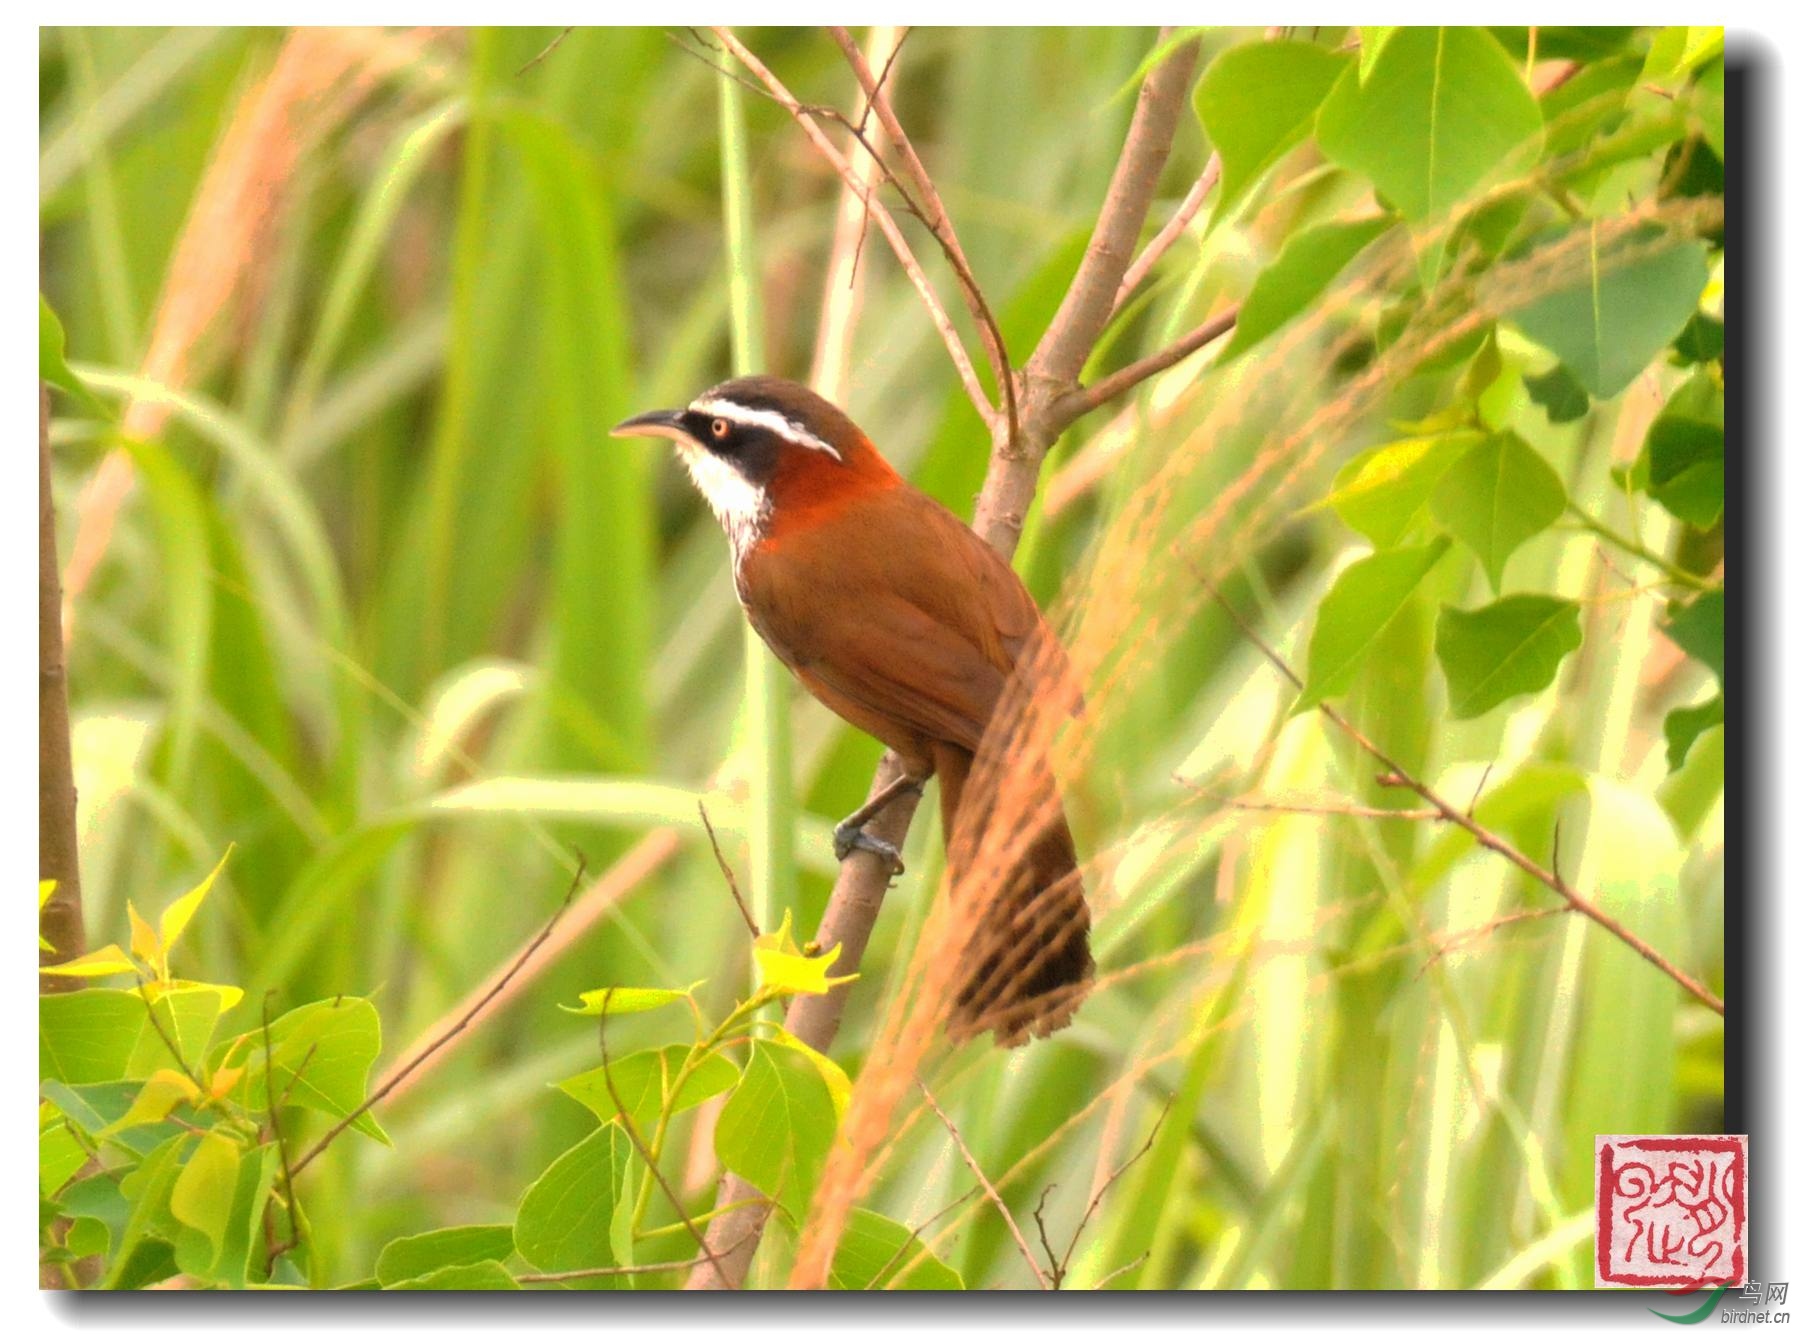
{"x": 59, "y": 921}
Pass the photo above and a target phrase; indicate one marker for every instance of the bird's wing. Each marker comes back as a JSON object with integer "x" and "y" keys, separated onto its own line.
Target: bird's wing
{"x": 920, "y": 622}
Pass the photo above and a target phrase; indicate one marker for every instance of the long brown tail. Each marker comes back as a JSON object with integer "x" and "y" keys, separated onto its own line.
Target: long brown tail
{"x": 1027, "y": 965}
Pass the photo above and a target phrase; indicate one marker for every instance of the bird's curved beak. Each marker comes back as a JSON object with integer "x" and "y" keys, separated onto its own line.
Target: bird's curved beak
{"x": 651, "y": 424}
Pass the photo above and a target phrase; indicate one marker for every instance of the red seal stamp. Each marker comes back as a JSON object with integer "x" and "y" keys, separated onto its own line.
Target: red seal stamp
{"x": 1670, "y": 1211}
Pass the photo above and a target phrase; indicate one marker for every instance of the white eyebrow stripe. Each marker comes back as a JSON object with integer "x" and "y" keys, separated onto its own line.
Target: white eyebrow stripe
{"x": 773, "y": 420}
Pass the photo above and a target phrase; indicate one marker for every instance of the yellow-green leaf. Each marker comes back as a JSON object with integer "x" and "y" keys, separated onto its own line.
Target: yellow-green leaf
{"x": 1383, "y": 492}
{"x": 144, "y": 942}
{"x": 1364, "y": 601}
{"x": 95, "y": 964}
{"x": 156, "y": 1100}
{"x": 178, "y": 915}
{"x": 782, "y": 965}
{"x": 206, "y": 1187}
{"x": 1439, "y": 111}
{"x": 629, "y": 1001}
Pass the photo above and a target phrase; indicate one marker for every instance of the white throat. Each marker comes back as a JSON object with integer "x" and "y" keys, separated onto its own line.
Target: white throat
{"x": 741, "y": 506}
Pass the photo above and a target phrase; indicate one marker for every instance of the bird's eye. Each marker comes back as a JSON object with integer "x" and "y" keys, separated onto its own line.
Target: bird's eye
{"x": 720, "y": 429}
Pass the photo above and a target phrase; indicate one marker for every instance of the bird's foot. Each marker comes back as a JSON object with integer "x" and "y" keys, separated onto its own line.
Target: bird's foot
{"x": 847, "y": 839}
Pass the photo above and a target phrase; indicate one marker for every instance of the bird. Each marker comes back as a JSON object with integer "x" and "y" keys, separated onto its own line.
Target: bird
{"x": 904, "y": 622}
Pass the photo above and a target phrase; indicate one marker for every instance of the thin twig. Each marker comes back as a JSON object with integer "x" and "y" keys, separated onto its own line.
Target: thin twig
{"x": 281, "y": 1147}
{"x": 1396, "y": 776}
{"x": 1166, "y": 236}
{"x": 1470, "y": 935}
{"x": 1681, "y": 576}
{"x": 987, "y": 1187}
{"x": 1114, "y": 1178}
{"x": 624, "y": 1270}
{"x": 938, "y": 223}
{"x": 1121, "y": 1271}
{"x": 913, "y": 1235}
{"x": 630, "y": 870}
{"x": 709, "y": 1255}
{"x": 808, "y": 119}
{"x": 382, "y": 1091}
{"x": 555, "y": 42}
{"x": 1346, "y": 808}
{"x": 744, "y": 909}
{"x": 162, "y": 1031}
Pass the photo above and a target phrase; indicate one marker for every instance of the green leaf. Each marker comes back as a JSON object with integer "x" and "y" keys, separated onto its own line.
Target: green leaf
{"x": 319, "y": 1055}
{"x": 1678, "y": 50}
{"x": 776, "y": 1129}
{"x": 1440, "y": 111}
{"x": 876, "y": 1254}
{"x": 837, "y": 1082}
{"x": 1383, "y": 492}
{"x": 1560, "y": 395}
{"x": 243, "y": 1246}
{"x": 1257, "y": 101}
{"x": 566, "y": 1217}
{"x": 1496, "y": 496}
{"x": 1307, "y": 264}
{"x": 53, "y": 364}
{"x": 202, "y": 1195}
{"x": 415, "y": 1256}
{"x": 1702, "y": 341}
{"x": 1508, "y": 648}
{"x": 1588, "y": 104}
{"x": 155, "y": 1101}
{"x": 1363, "y": 602}
{"x": 1371, "y": 41}
{"x": 1686, "y": 466}
{"x": 147, "y": 1190}
{"x": 103, "y": 963}
{"x": 1700, "y": 629}
{"x": 483, "y": 1276}
{"x": 1616, "y": 318}
{"x": 60, "y": 1155}
{"x": 629, "y": 1001}
{"x": 784, "y": 967}
{"x": 643, "y": 1081}
{"x": 105, "y": 1034}
{"x": 1683, "y": 725}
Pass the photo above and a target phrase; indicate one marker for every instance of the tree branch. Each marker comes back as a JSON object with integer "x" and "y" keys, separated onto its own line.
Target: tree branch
{"x": 59, "y": 921}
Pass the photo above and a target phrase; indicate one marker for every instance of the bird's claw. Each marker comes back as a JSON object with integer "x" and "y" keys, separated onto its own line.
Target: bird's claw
{"x": 847, "y": 839}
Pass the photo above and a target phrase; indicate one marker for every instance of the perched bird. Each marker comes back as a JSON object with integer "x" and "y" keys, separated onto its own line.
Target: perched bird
{"x": 900, "y": 619}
